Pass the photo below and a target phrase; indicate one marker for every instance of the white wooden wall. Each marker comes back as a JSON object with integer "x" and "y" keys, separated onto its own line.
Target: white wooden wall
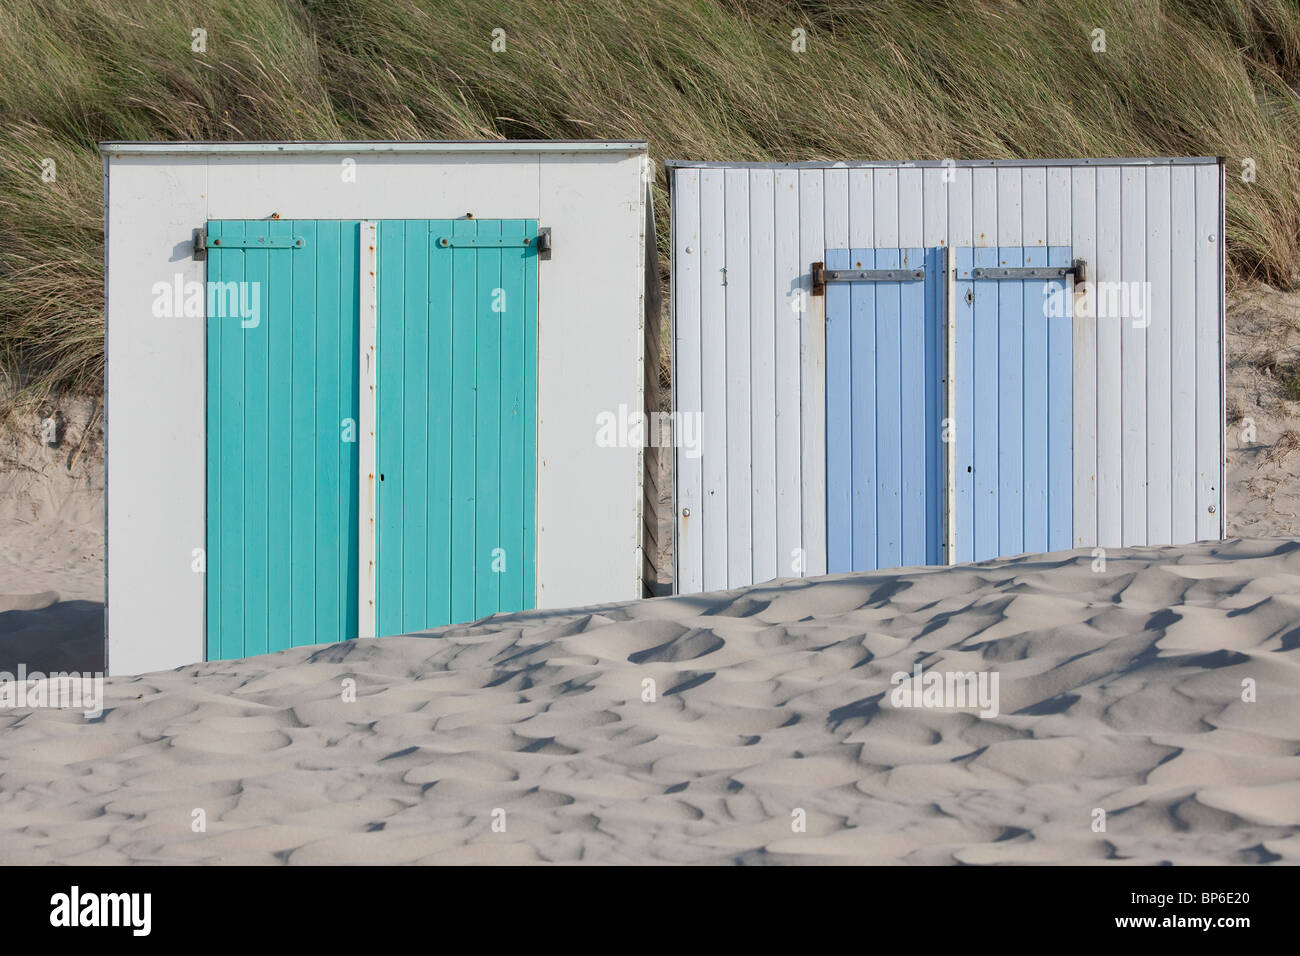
{"x": 1148, "y": 403}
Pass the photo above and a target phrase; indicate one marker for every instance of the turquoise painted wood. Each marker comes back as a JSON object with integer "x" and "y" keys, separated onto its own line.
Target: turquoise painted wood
{"x": 456, "y": 421}
{"x": 282, "y": 381}
{"x": 1014, "y": 367}
{"x": 884, "y": 457}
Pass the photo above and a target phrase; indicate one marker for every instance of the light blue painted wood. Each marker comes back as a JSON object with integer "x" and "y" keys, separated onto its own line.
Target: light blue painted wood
{"x": 964, "y": 427}
{"x": 883, "y": 493}
{"x": 456, "y": 429}
{"x": 839, "y": 418}
{"x": 282, "y": 483}
{"x": 913, "y": 390}
{"x": 1035, "y": 409}
{"x": 863, "y": 409}
{"x": 889, "y": 416}
{"x": 1011, "y": 404}
{"x": 1015, "y": 376}
{"x": 1060, "y": 413}
{"x": 984, "y": 401}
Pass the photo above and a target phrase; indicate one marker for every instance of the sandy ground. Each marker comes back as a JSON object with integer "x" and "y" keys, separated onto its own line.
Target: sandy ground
{"x": 1120, "y": 690}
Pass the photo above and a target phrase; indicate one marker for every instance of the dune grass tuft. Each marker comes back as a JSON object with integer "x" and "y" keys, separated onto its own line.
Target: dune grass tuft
{"x": 701, "y": 79}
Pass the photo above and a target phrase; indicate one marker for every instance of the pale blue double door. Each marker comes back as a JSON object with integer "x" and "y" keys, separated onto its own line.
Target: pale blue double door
{"x": 948, "y": 430}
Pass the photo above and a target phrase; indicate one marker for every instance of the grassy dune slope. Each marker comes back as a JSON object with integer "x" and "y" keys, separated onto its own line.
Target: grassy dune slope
{"x": 701, "y": 79}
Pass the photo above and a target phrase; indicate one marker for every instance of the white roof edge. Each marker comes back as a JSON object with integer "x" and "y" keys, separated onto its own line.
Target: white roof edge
{"x": 351, "y": 147}
{"x": 908, "y": 164}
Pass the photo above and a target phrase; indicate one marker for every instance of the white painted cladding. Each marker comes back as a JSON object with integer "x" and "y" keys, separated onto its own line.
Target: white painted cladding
{"x": 1148, "y": 403}
{"x": 591, "y": 331}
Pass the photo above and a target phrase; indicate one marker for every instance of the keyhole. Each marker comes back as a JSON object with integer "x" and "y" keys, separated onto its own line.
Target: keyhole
{"x": 381, "y": 476}
{"x": 970, "y": 296}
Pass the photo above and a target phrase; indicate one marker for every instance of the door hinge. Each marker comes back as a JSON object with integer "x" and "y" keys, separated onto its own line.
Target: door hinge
{"x": 1075, "y": 269}
{"x": 821, "y": 275}
{"x": 200, "y": 243}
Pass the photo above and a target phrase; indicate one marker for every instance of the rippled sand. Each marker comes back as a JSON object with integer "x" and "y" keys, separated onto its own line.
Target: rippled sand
{"x": 1120, "y": 691}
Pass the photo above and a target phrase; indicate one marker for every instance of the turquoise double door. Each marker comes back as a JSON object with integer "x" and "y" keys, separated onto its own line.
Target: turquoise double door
{"x": 949, "y": 416}
{"x": 449, "y": 498}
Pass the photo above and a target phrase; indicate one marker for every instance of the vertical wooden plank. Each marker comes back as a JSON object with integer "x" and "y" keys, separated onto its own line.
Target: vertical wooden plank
{"x": 948, "y": 411}
{"x": 487, "y": 425}
{"x": 1058, "y": 206}
{"x": 1133, "y": 363}
{"x": 984, "y": 210}
{"x": 1182, "y": 352}
{"x": 792, "y": 301}
{"x": 934, "y": 200}
{"x": 219, "y": 263}
{"x": 1209, "y": 388}
{"x": 739, "y": 372}
{"x": 1159, "y": 453}
{"x": 961, "y": 227}
{"x": 915, "y": 432}
{"x": 348, "y": 363}
{"x": 464, "y": 416}
{"x": 911, "y": 208}
{"x": 985, "y": 377}
{"x": 411, "y": 459}
{"x": 1033, "y": 206}
{"x": 763, "y": 317}
{"x": 1010, "y": 205}
{"x": 514, "y": 407}
{"x": 289, "y": 298}
{"x": 1060, "y": 424}
{"x": 367, "y": 430}
{"x": 835, "y": 202}
{"x": 1037, "y": 391}
{"x": 390, "y": 412}
{"x": 687, "y": 371}
{"x": 862, "y": 202}
{"x": 885, "y": 207}
{"x": 329, "y": 528}
{"x": 1083, "y": 241}
{"x": 964, "y": 434}
{"x": 440, "y": 414}
{"x": 889, "y": 415}
{"x": 863, "y": 384}
{"x": 1109, "y": 412}
{"x": 531, "y": 332}
{"x": 1011, "y": 399}
{"x": 713, "y": 335}
{"x": 258, "y": 461}
{"x": 839, "y": 418}
{"x": 812, "y": 357}
{"x": 299, "y": 273}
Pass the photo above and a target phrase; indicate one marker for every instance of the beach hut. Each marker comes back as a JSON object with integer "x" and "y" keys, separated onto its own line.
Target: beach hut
{"x": 353, "y": 388}
{"x": 910, "y": 363}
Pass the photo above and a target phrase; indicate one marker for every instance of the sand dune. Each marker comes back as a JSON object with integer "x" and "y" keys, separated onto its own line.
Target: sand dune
{"x": 1120, "y": 690}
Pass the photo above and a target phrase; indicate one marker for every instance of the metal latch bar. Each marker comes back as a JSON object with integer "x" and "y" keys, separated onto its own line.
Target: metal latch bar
{"x": 874, "y": 275}
{"x": 821, "y": 275}
{"x": 1031, "y": 272}
{"x": 479, "y": 242}
{"x": 259, "y": 242}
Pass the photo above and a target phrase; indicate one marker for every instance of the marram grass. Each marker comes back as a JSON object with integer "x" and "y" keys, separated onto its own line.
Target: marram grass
{"x": 700, "y": 79}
